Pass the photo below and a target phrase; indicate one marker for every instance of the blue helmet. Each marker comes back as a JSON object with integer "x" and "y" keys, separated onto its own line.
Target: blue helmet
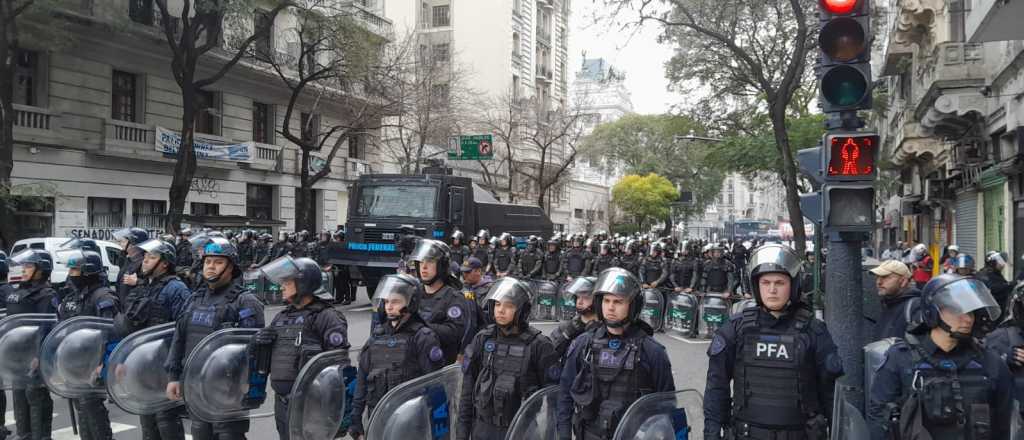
{"x": 963, "y": 261}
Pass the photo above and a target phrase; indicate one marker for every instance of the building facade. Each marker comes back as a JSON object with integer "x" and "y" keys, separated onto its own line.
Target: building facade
{"x": 95, "y": 117}
{"x": 950, "y": 114}
{"x": 741, "y": 201}
{"x": 602, "y": 89}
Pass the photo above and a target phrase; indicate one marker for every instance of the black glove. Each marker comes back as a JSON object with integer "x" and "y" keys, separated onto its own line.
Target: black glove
{"x": 265, "y": 336}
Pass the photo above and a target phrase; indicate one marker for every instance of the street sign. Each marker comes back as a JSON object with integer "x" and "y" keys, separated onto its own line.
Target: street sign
{"x": 474, "y": 147}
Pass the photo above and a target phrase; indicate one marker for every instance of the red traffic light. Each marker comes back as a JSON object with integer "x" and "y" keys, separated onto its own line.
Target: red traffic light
{"x": 839, "y": 7}
{"x": 851, "y": 156}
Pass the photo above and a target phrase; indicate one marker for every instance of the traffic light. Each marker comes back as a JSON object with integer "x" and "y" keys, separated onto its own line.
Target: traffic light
{"x": 851, "y": 156}
{"x": 843, "y": 173}
{"x": 845, "y": 50}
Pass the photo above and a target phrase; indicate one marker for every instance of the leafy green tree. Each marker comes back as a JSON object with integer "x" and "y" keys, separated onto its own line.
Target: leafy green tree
{"x": 755, "y": 153}
{"x": 646, "y": 198}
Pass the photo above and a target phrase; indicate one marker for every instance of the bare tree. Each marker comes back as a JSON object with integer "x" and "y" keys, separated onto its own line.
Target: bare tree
{"x": 196, "y": 34}
{"x": 550, "y": 144}
{"x": 503, "y": 116}
{"x": 341, "y": 66}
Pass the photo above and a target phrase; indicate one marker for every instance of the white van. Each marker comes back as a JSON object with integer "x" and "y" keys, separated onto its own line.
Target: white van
{"x": 111, "y": 253}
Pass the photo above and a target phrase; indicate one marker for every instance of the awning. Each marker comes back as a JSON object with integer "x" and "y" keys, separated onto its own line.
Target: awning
{"x": 232, "y": 221}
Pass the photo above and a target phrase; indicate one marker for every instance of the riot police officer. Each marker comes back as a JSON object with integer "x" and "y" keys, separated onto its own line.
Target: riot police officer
{"x": 459, "y": 249}
{"x": 531, "y": 259}
{"x": 781, "y": 361}
{"x": 945, "y": 382}
{"x": 1007, "y": 341}
{"x": 89, "y": 297}
{"x": 246, "y": 248}
{"x": 184, "y": 248}
{"x": 482, "y": 251}
{"x": 5, "y": 290}
{"x": 306, "y": 328}
{"x": 504, "y": 364}
{"x": 716, "y": 273}
{"x": 992, "y": 276}
{"x": 402, "y": 349}
{"x": 682, "y": 271}
{"x": 630, "y": 260}
{"x": 605, "y": 258}
{"x": 576, "y": 260}
{"x": 609, "y": 368}
{"x": 219, "y": 302}
{"x": 503, "y": 258}
{"x": 582, "y": 292}
{"x": 654, "y": 268}
{"x": 441, "y": 306}
{"x": 281, "y": 247}
{"x": 160, "y": 298}
{"x": 740, "y": 255}
{"x": 128, "y": 277}
{"x": 33, "y": 407}
{"x": 551, "y": 267}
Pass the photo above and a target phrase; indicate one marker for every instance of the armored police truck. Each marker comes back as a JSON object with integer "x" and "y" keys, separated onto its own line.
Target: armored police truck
{"x": 384, "y": 207}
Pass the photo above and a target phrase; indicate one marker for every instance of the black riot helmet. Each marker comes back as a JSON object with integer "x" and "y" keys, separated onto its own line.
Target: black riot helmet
{"x": 960, "y": 295}
{"x": 304, "y": 271}
{"x": 89, "y": 262}
{"x": 460, "y": 236}
{"x": 38, "y": 258}
{"x": 134, "y": 236}
{"x": 776, "y": 258}
{"x": 1014, "y": 307}
{"x": 505, "y": 239}
{"x": 162, "y": 248}
{"x": 516, "y": 292}
{"x": 433, "y": 250}
{"x": 81, "y": 243}
{"x": 619, "y": 282}
{"x": 484, "y": 235}
{"x": 402, "y": 285}
{"x": 581, "y": 286}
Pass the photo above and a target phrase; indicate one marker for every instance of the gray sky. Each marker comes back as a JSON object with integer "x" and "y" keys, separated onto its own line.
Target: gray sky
{"x": 641, "y": 57}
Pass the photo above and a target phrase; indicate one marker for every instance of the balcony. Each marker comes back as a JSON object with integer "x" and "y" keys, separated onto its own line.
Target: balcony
{"x": 368, "y": 18}
{"x": 266, "y": 157}
{"x": 951, "y": 79}
{"x": 544, "y": 73}
{"x": 544, "y": 37}
{"x": 128, "y": 138}
{"x": 37, "y": 125}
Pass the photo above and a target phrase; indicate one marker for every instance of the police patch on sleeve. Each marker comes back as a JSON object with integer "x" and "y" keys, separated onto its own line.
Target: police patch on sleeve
{"x": 436, "y": 354}
{"x": 717, "y": 345}
{"x": 454, "y": 312}
{"x": 105, "y": 304}
{"x": 336, "y": 339}
{"x": 246, "y": 313}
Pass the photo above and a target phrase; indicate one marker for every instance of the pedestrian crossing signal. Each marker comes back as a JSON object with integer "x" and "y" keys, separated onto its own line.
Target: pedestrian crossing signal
{"x": 851, "y": 156}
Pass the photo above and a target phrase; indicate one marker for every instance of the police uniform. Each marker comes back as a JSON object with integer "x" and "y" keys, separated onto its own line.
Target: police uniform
{"x": 716, "y": 275}
{"x": 301, "y": 334}
{"x": 460, "y": 253}
{"x": 228, "y": 306}
{"x": 482, "y": 253}
{"x": 1002, "y": 342}
{"x": 529, "y": 264}
{"x": 602, "y": 262}
{"x": 132, "y": 266}
{"x": 503, "y": 260}
{"x": 567, "y": 331}
{"x": 391, "y": 356}
{"x": 33, "y": 407}
{"x": 184, "y": 251}
{"x": 681, "y": 272}
{"x": 631, "y": 263}
{"x": 475, "y": 296}
{"x": 446, "y": 312}
{"x": 246, "y": 253}
{"x": 654, "y": 271}
{"x": 500, "y": 371}
{"x": 576, "y": 262}
{"x": 551, "y": 267}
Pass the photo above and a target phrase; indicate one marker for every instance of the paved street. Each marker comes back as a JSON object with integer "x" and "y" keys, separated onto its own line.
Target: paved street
{"x": 688, "y": 360}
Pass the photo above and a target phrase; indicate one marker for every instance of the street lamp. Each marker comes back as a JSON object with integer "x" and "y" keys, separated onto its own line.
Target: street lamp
{"x": 693, "y": 137}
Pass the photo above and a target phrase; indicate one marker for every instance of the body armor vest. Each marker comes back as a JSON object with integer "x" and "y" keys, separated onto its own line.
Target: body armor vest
{"x": 575, "y": 262}
{"x": 617, "y": 381}
{"x": 603, "y": 262}
{"x": 24, "y": 298}
{"x": 954, "y": 397}
{"x": 204, "y": 319}
{"x": 652, "y": 270}
{"x": 389, "y": 363}
{"x": 528, "y": 260}
{"x": 504, "y": 381}
{"x": 143, "y": 308}
{"x": 296, "y": 342}
{"x": 503, "y": 259}
{"x": 774, "y": 381}
{"x": 482, "y": 254}
{"x": 684, "y": 272}
{"x": 245, "y": 254}
{"x": 630, "y": 263}
{"x": 716, "y": 277}
{"x": 459, "y": 254}
{"x": 552, "y": 263}
{"x": 80, "y": 303}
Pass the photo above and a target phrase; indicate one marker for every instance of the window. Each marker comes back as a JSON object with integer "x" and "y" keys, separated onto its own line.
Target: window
{"x": 106, "y": 213}
{"x": 26, "y": 73}
{"x": 516, "y": 6}
{"x": 439, "y": 94}
{"x": 123, "y": 97}
{"x": 33, "y": 217}
{"x": 262, "y": 48}
{"x": 731, "y": 198}
{"x": 515, "y": 44}
{"x": 751, "y": 198}
{"x": 600, "y": 215}
{"x": 310, "y": 129}
{"x": 141, "y": 11}
{"x": 356, "y": 146}
{"x": 424, "y": 14}
{"x": 205, "y": 209}
{"x": 206, "y": 112}
{"x": 259, "y": 201}
{"x": 148, "y": 214}
{"x": 577, "y": 213}
{"x": 262, "y": 123}
{"x": 442, "y": 52}
{"x": 441, "y": 17}
{"x": 515, "y": 87}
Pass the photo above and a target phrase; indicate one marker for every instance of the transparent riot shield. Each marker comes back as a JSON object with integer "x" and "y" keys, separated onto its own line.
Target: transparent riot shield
{"x": 316, "y": 406}
{"x": 326, "y": 290}
{"x": 847, "y": 421}
{"x": 216, "y": 379}
{"x": 682, "y": 314}
{"x": 136, "y": 379}
{"x": 653, "y": 312}
{"x": 669, "y": 415}
{"x": 72, "y": 357}
{"x": 253, "y": 281}
{"x": 874, "y": 356}
{"x": 714, "y": 312}
{"x": 423, "y": 408}
{"x": 545, "y": 300}
{"x": 537, "y": 417}
{"x": 21, "y": 337}
{"x": 566, "y": 304}
{"x": 742, "y": 305}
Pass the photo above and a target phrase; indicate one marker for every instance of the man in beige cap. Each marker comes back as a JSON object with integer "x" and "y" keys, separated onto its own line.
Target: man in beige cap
{"x": 899, "y": 298}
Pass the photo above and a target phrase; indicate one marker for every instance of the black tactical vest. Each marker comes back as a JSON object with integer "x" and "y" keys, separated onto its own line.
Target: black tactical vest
{"x": 459, "y": 254}
{"x": 483, "y": 254}
{"x": 503, "y": 259}
{"x": 504, "y": 381}
{"x": 552, "y": 264}
{"x": 24, "y": 298}
{"x": 716, "y": 278}
{"x": 81, "y": 303}
{"x": 617, "y": 383}
{"x": 774, "y": 380}
{"x": 575, "y": 262}
{"x": 630, "y": 263}
{"x": 389, "y": 363}
{"x": 296, "y": 342}
{"x": 954, "y": 398}
{"x": 652, "y": 270}
{"x": 684, "y": 272}
{"x": 204, "y": 319}
{"x": 603, "y": 262}
{"x": 142, "y": 308}
{"x": 527, "y": 260}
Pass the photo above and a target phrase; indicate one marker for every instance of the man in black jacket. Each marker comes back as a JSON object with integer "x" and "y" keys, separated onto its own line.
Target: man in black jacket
{"x": 899, "y": 298}
{"x": 128, "y": 277}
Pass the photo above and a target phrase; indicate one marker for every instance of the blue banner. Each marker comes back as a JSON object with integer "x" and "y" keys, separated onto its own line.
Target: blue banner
{"x": 167, "y": 142}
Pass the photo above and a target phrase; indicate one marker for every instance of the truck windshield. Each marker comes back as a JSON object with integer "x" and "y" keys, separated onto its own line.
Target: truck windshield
{"x": 397, "y": 201}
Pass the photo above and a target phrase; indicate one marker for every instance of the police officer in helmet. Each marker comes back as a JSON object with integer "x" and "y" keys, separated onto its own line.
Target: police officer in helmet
{"x": 219, "y": 302}
{"x": 939, "y": 382}
{"x": 504, "y": 364}
{"x": 1008, "y": 341}
{"x": 609, "y": 368}
{"x": 401, "y": 349}
{"x": 159, "y": 298}
{"x": 582, "y": 291}
{"x": 128, "y": 277}
{"x": 441, "y": 305}
{"x": 306, "y": 328}
{"x": 780, "y": 361}
{"x": 33, "y": 407}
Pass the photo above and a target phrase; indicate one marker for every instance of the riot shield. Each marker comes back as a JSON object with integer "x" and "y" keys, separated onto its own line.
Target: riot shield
{"x": 216, "y": 377}
{"x": 537, "y": 417}
{"x": 136, "y": 379}
{"x": 316, "y": 406}
{"x": 21, "y": 337}
{"x": 682, "y": 314}
{"x": 326, "y": 290}
{"x": 874, "y": 356}
{"x": 422, "y": 408}
{"x": 742, "y": 305}
{"x": 566, "y": 304}
{"x": 545, "y": 300}
{"x": 668, "y": 415}
{"x": 714, "y": 312}
{"x": 847, "y": 421}
{"x": 72, "y": 355}
{"x": 653, "y": 312}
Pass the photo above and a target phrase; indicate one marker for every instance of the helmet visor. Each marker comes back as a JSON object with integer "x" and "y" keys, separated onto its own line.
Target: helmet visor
{"x": 281, "y": 269}
{"x": 149, "y": 246}
{"x": 122, "y": 234}
{"x": 72, "y": 258}
{"x": 580, "y": 287}
{"x": 776, "y": 256}
{"x": 392, "y": 286}
{"x": 510, "y": 290}
{"x": 198, "y": 242}
{"x": 617, "y": 282}
{"x": 427, "y": 250}
{"x": 966, "y": 296}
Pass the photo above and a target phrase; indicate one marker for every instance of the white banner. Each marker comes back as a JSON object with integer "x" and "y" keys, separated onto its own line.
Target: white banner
{"x": 167, "y": 142}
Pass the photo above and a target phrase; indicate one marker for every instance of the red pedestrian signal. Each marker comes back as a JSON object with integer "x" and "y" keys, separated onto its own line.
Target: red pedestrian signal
{"x": 851, "y": 156}
{"x": 841, "y": 7}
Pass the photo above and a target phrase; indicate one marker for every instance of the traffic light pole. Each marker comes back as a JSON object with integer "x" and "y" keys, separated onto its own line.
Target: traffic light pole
{"x": 844, "y": 311}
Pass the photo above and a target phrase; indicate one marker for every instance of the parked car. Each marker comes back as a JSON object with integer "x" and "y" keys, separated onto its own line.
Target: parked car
{"x": 111, "y": 253}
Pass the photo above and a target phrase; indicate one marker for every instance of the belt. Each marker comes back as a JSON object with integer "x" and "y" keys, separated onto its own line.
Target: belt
{"x": 748, "y": 431}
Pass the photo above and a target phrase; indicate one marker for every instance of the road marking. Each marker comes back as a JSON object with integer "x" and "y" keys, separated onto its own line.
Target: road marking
{"x": 688, "y": 341}
{"x": 69, "y": 433}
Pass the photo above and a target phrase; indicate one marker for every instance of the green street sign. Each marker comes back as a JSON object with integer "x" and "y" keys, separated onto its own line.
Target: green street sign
{"x": 475, "y": 147}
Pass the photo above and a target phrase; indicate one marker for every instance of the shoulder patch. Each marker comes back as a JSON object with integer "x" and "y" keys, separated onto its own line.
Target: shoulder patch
{"x": 718, "y": 345}
{"x": 336, "y": 338}
{"x": 105, "y": 304}
{"x": 246, "y": 313}
{"x": 436, "y": 354}
{"x": 454, "y": 312}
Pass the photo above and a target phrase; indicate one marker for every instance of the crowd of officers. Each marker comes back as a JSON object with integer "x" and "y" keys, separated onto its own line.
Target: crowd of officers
{"x": 771, "y": 368}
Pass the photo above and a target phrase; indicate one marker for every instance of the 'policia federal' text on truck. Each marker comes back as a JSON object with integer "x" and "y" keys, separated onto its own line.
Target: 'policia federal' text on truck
{"x": 381, "y": 206}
